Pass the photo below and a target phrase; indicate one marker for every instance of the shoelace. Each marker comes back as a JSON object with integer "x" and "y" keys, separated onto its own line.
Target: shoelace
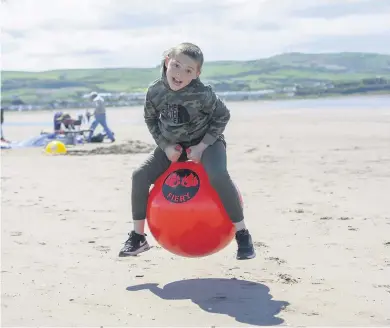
{"x": 133, "y": 239}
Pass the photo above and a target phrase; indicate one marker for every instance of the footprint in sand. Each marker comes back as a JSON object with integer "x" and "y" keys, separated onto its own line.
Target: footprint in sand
{"x": 260, "y": 244}
{"x": 310, "y": 314}
{"x": 287, "y": 279}
{"x": 318, "y": 281}
{"x": 276, "y": 259}
{"x": 251, "y": 150}
{"x": 234, "y": 268}
{"x": 386, "y": 287}
{"x": 102, "y": 248}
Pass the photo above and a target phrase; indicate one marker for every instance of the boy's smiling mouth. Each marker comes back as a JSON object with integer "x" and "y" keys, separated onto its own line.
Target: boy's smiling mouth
{"x": 176, "y": 82}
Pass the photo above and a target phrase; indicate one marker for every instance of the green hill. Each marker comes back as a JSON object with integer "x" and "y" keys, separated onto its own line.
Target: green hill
{"x": 276, "y": 72}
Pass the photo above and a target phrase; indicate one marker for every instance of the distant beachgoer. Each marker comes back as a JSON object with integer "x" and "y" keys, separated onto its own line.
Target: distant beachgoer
{"x": 57, "y": 121}
{"x": 65, "y": 121}
{"x": 100, "y": 116}
{"x": 2, "y": 121}
{"x": 88, "y": 116}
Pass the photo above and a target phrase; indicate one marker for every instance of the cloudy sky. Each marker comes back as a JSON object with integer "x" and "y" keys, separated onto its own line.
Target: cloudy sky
{"x": 52, "y": 34}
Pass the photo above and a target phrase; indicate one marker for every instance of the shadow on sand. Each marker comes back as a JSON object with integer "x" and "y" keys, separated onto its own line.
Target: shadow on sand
{"x": 248, "y": 302}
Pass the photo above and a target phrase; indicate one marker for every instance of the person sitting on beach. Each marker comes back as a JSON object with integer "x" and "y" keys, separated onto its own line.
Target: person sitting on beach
{"x": 187, "y": 120}
{"x": 100, "y": 116}
{"x": 63, "y": 122}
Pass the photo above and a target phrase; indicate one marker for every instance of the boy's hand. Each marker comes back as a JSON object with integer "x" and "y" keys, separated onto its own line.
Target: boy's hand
{"x": 173, "y": 152}
{"x": 194, "y": 153}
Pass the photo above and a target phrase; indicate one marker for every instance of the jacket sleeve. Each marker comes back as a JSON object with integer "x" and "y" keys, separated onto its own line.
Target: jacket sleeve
{"x": 220, "y": 116}
{"x": 151, "y": 116}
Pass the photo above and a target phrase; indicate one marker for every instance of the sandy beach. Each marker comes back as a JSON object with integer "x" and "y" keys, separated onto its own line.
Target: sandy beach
{"x": 316, "y": 189}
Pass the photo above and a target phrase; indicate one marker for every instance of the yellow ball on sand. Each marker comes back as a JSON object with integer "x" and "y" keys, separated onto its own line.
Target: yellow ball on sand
{"x": 55, "y": 148}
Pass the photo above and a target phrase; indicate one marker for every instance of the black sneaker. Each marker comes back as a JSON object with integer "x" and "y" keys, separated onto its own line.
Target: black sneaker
{"x": 134, "y": 245}
{"x": 245, "y": 250}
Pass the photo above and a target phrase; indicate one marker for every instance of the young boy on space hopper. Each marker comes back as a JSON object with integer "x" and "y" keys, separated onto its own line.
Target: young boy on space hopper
{"x": 184, "y": 115}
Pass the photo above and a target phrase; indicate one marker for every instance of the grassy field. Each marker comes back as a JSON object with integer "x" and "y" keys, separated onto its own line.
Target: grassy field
{"x": 275, "y": 72}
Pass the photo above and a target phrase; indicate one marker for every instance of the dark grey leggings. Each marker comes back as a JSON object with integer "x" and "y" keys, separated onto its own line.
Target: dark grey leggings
{"x": 214, "y": 162}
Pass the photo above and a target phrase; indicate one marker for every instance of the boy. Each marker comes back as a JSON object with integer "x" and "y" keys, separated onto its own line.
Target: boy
{"x": 186, "y": 119}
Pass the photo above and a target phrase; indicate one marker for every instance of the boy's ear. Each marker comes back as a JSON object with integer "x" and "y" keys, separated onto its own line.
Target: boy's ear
{"x": 166, "y": 61}
{"x": 198, "y": 73}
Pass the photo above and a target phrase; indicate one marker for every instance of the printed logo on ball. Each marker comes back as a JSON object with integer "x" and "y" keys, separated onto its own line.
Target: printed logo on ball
{"x": 181, "y": 186}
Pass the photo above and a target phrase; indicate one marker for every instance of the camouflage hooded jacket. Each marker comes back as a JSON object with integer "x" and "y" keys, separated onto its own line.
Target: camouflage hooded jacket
{"x": 192, "y": 113}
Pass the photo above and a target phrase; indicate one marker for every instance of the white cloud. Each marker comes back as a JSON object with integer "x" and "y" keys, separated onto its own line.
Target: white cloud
{"x": 48, "y": 34}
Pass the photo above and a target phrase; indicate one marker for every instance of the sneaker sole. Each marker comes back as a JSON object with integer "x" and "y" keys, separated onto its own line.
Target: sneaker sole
{"x": 249, "y": 257}
{"x": 142, "y": 249}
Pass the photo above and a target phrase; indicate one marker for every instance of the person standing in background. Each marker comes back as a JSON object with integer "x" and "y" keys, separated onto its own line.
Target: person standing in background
{"x": 99, "y": 116}
{"x": 2, "y": 121}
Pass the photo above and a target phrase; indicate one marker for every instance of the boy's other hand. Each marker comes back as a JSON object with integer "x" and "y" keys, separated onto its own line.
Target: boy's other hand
{"x": 173, "y": 152}
{"x": 194, "y": 153}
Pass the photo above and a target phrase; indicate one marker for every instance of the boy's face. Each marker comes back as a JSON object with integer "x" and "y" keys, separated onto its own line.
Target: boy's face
{"x": 181, "y": 70}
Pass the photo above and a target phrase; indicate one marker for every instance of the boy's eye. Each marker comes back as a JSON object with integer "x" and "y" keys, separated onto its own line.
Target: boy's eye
{"x": 188, "y": 71}
{"x": 176, "y": 65}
